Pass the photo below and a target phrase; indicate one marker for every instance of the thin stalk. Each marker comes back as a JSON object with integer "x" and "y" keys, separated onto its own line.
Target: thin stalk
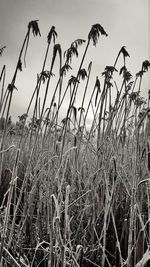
{"x": 2, "y": 76}
{"x": 85, "y": 91}
{"x": 72, "y": 96}
{"x": 6, "y": 220}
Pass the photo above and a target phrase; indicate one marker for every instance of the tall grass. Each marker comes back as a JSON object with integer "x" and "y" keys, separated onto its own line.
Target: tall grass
{"x": 73, "y": 195}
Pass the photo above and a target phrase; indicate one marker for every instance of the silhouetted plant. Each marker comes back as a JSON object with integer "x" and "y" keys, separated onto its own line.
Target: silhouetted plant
{"x": 125, "y": 54}
{"x": 145, "y": 65}
{"x": 73, "y": 81}
{"x": 52, "y": 35}
{"x": 2, "y": 50}
{"x": 73, "y": 50}
{"x": 82, "y": 74}
{"x": 98, "y": 87}
{"x": 95, "y": 32}
{"x": 65, "y": 68}
{"x": 69, "y": 53}
{"x": 44, "y": 76}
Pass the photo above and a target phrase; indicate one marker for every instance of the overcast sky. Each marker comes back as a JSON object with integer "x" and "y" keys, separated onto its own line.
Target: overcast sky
{"x": 125, "y": 21}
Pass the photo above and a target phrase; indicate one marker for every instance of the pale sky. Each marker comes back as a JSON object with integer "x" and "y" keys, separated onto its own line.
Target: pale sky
{"x": 125, "y": 21}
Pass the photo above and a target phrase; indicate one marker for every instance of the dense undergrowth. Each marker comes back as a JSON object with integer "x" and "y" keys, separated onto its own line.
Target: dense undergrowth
{"x": 72, "y": 196}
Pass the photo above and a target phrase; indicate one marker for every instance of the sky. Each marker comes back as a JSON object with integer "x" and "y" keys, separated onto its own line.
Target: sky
{"x": 125, "y": 21}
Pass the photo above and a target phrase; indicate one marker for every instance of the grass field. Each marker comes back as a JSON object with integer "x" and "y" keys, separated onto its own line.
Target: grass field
{"x": 72, "y": 195}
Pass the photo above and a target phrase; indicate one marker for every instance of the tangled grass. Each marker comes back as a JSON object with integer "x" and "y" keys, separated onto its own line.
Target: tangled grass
{"x": 72, "y": 196}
